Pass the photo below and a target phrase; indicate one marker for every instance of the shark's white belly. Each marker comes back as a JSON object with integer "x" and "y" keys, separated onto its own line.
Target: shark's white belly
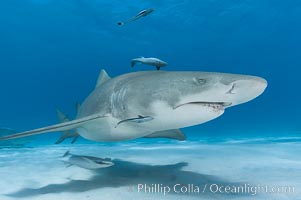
{"x": 104, "y": 130}
{"x": 166, "y": 118}
{"x": 185, "y": 116}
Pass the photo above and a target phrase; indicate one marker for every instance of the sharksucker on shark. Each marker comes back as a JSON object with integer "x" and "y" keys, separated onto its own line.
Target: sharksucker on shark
{"x": 155, "y": 104}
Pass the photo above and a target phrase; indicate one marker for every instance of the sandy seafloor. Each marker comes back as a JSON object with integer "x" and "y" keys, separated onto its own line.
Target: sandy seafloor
{"x": 38, "y": 173}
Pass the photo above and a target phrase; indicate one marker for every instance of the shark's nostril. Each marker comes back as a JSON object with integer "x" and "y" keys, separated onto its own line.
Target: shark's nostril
{"x": 231, "y": 91}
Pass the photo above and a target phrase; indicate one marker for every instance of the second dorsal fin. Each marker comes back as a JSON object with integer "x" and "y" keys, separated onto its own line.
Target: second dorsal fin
{"x": 103, "y": 77}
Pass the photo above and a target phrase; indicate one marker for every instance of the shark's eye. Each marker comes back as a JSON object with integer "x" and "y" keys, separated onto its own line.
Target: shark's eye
{"x": 200, "y": 81}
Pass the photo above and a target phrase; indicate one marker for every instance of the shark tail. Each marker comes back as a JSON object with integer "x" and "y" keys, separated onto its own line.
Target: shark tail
{"x": 69, "y": 125}
{"x": 69, "y": 133}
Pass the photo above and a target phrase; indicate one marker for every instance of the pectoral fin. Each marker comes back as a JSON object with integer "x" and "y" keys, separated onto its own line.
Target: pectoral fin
{"x": 57, "y": 127}
{"x": 171, "y": 134}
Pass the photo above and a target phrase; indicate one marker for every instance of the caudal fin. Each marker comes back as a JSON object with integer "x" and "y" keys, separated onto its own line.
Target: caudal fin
{"x": 69, "y": 133}
{"x": 57, "y": 127}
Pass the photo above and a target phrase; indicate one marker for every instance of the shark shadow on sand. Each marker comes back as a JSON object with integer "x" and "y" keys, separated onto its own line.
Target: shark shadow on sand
{"x": 130, "y": 174}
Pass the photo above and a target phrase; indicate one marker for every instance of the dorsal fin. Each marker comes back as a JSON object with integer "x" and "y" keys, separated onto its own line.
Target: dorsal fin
{"x": 103, "y": 77}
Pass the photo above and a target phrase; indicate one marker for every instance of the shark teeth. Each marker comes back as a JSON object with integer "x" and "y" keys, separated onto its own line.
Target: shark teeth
{"x": 214, "y": 105}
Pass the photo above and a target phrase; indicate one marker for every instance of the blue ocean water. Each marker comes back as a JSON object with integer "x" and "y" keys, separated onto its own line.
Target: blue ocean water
{"x": 51, "y": 53}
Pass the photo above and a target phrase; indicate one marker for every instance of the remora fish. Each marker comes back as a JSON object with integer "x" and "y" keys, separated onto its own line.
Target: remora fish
{"x": 87, "y": 162}
{"x": 139, "y": 119}
{"x": 173, "y": 99}
{"x": 143, "y": 13}
{"x": 149, "y": 61}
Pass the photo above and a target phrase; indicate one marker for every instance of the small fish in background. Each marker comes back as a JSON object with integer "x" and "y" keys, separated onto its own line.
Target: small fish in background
{"x": 149, "y": 61}
{"x": 143, "y": 13}
{"x": 86, "y": 162}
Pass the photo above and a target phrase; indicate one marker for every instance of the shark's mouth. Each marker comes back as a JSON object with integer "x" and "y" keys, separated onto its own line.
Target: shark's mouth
{"x": 214, "y": 105}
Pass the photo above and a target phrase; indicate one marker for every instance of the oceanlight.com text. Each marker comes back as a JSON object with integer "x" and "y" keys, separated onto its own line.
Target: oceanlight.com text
{"x": 246, "y": 189}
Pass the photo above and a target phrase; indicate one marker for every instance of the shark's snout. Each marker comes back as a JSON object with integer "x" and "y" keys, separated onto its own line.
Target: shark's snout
{"x": 244, "y": 90}
{"x": 256, "y": 85}
{"x": 262, "y": 83}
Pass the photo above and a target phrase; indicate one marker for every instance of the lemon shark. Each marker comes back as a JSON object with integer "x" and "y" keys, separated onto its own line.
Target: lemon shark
{"x": 155, "y": 104}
